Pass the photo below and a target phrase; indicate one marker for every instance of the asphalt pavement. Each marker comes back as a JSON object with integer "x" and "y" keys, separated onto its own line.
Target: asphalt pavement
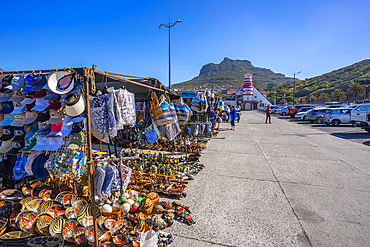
{"x": 279, "y": 184}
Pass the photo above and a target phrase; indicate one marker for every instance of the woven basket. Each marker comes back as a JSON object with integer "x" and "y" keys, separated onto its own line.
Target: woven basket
{"x": 116, "y": 213}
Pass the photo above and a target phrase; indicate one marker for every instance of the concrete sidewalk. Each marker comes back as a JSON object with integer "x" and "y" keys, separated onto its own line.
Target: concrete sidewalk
{"x": 278, "y": 184}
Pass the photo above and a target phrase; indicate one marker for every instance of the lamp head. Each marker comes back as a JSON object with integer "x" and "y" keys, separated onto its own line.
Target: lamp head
{"x": 160, "y": 26}
{"x": 179, "y": 20}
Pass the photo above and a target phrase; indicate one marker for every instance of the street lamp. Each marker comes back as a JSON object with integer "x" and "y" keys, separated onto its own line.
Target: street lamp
{"x": 294, "y": 86}
{"x": 275, "y": 98}
{"x": 169, "y": 48}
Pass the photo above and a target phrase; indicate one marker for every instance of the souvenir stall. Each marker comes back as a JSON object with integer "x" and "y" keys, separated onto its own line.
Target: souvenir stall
{"x": 56, "y": 190}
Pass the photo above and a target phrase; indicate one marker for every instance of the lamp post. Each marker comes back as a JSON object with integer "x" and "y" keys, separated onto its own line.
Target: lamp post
{"x": 169, "y": 48}
{"x": 294, "y": 86}
{"x": 365, "y": 92}
{"x": 275, "y": 98}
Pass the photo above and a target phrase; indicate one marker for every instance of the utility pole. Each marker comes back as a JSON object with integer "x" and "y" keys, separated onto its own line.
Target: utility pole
{"x": 275, "y": 98}
{"x": 284, "y": 99}
{"x": 294, "y": 86}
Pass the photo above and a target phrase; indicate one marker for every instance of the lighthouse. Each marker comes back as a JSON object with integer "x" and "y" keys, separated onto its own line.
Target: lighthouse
{"x": 248, "y": 87}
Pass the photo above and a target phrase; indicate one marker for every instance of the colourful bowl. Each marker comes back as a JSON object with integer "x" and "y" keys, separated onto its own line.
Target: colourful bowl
{"x": 26, "y": 200}
{"x": 12, "y": 220}
{"x": 89, "y": 234}
{"x": 16, "y": 235}
{"x": 67, "y": 231}
{"x": 86, "y": 210}
{"x": 27, "y": 188}
{"x": 56, "y": 226}
{"x": 46, "y": 204}
{"x": 26, "y": 222}
{"x": 108, "y": 223}
{"x": 71, "y": 213}
{"x": 34, "y": 205}
{"x": 79, "y": 235}
{"x": 79, "y": 203}
{"x": 41, "y": 224}
{"x": 101, "y": 220}
{"x": 54, "y": 209}
{"x": 120, "y": 239}
{"x": 3, "y": 225}
{"x": 10, "y": 193}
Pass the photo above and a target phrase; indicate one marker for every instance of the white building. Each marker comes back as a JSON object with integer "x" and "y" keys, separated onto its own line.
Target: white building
{"x": 258, "y": 100}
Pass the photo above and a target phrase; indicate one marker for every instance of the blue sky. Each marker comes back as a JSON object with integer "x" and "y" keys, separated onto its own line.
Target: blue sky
{"x": 313, "y": 36}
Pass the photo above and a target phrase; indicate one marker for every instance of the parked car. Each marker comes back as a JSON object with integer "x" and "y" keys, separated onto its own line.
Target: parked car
{"x": 274, "y": 110}
{"x": 360, "y": 117}
{"x": 302, "y": 113}
{"x": 316, "y": 115}
{"x": 281, "y": 111}
{"x": 351, "y": 106}
{"x": 337, "y": 116}
{"x": 238, "y": 108}
{"x": 292, "y": 111}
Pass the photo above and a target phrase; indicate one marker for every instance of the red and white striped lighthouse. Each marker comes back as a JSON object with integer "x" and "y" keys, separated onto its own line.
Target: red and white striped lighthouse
{"x": 248, "y": 87}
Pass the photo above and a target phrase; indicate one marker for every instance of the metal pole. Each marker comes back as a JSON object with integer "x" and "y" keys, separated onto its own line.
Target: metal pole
{"x": 275, "y": 98}
{"x": 169, "y": 55}
{"x": 294, "y": 90}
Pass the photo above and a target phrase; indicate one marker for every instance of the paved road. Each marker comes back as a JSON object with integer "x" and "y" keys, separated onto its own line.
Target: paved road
{"x": 348, "y": 132}
{"x": 279, "y": 184}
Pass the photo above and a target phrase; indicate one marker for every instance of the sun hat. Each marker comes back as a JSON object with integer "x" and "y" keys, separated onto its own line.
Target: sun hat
{"x": 7, "y": 107}
{"x": 77, "y": 127}
{"x": 28, "y": 145}
{"x": 77, "y": 86}
{"x": 55, "y": 128}
{"x": 38, "y": 170}
{"x": 51, "y": 96}
{"x": 5, "y": 146}
{"x": 41, "y": 143}
{"x": 75, "y": 104}
{"x": 8, "y": 119}
{"x": 7, "y": 133}
{"x": 41, "y": 104}
{"x": 5, "y": 96}
{"x": 55, "y": 117}
{"x": 27, "y": 83}
{"x": 76, "y": 140}
{"x": 38, "y": 82}
{"x": 44, "y": 131}
{"x": 28, "y": 100}
{"x": 60, "y": 82}
{"x": 19, "y": 169}
{"x": 55, "y": 143}
{"x": 54, "y": 104}
{"x": 16, "y": 146}
{"x": 19, "y": 134}
{"x": 7, "y": 81}
{"x": 43, "y": 116}
{"x": 74, "y": 119}
{"x": 31, "y": 130}
{"x": 30, "y": 117}
{"x": 65, "y": 130}
{"x": 7, "y": 164}
{"x": 16, "y": 83}
{"x": 39, "y": 94}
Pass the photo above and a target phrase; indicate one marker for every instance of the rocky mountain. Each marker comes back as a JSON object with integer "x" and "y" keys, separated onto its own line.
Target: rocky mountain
{"x": 230, "y": 73}
{"x": 336, "y": 85}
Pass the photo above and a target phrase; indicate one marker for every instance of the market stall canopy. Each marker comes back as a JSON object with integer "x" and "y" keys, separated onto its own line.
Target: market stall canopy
{"x": 140, "y": 86}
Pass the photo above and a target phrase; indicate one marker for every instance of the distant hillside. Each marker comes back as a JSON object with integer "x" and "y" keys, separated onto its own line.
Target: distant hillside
{"x": 230, "y": 73}
{"x": 327, "y": 86}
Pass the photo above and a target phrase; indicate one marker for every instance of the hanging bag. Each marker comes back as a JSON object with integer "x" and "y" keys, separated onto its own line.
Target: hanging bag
{"x": 168, "y": 113}
{"x": 152, "y": 133}
{"x": 196, "y": 105}
{"x": 182, "y": 112}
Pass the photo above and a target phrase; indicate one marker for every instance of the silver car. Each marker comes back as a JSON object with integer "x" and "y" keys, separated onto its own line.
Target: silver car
{"x": 337, "y": 116}
{"x": 316, "y": 115}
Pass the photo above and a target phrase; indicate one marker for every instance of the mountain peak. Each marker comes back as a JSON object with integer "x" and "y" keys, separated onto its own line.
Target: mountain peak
{"x": 230, "y": 73}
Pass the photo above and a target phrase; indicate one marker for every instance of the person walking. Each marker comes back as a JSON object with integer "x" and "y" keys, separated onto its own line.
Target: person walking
{"x": 268, "y": 114}
{"x": 233, "y": 116}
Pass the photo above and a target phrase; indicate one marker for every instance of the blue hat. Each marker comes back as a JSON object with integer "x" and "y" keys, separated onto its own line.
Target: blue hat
{"x": 19, "y": 169}
{"x": 66, "y": 129}
{"x": 51, "y": 96}
{"x": 19, "y": 108}
{"x": 77, "y": 127}
{"x": 8, "y": 119}
{"x": 27, "y": 83}
{"x": 38, "y": 82}
{"x": 75, "y": 119}
{"x": 44, "y": 131}
{"x": 7, "y": 107}
{"x": 31, "y": 130}
{"x": 38, "y": 169}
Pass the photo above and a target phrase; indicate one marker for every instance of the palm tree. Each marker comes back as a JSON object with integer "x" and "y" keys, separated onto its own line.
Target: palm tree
{"x": 335, "y": 94}
{"x": 342, "y": 96}
{"x": 355, "y": 89}
{"x": 324, "y": 97}
{"x": 313, "y": 99}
